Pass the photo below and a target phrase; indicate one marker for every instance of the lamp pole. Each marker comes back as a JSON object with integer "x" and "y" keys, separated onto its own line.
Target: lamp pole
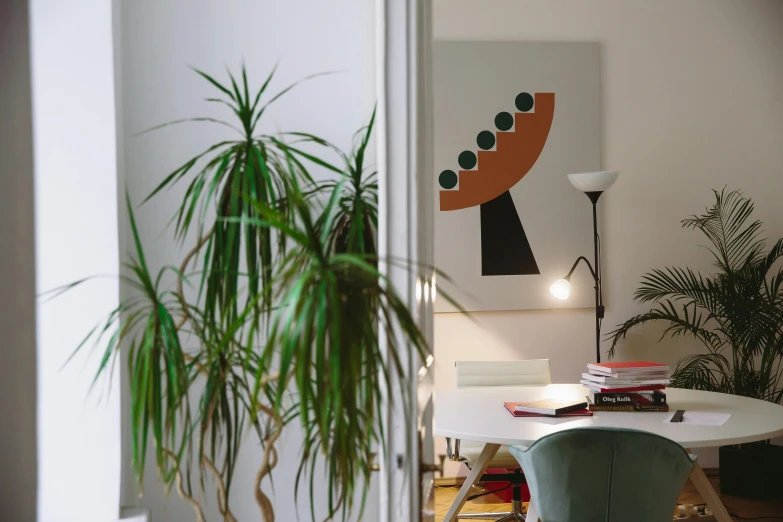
{"x": 599, "y": 305}
{"x": 593, "y": 184}
{"x": 599, "y": 309}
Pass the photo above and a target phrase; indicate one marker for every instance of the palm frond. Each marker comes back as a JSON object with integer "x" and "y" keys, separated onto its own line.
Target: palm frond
{"x": 724, "y": 224}
{"x": 355, "y": 225}
{"x": 679, "y": 284}
{"x": 687, "y": 320}
{"x": 736, "y": 313}
{"x": 701, "y": 372}
{"x": 160, "y": 378}
{"x": 326, "y": 337}
{"x": 235, "y": 176}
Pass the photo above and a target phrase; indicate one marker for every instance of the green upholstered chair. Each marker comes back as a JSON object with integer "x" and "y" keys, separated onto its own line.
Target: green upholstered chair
{"x": 604, "y": 475}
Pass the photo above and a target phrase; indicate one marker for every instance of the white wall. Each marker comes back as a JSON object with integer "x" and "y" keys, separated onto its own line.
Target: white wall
{"x": 17, "y": 270}
{"x": 76, "y": 236}
{"x": 158, "y": 41}
{"x": 692, "y": 96}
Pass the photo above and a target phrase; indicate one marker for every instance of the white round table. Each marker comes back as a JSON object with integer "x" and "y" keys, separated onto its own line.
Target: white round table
{"x": 477, "y": 414}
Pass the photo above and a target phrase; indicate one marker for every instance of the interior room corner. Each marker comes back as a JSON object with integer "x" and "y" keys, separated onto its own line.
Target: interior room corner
{"x": 391, "y": 260}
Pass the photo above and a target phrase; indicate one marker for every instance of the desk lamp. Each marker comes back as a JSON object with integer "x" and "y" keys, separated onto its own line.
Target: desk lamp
{"x": 593, "y": 184}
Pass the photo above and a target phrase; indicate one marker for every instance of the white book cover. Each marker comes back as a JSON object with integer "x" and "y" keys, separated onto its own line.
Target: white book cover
{"x": 630, "y": 381}
{"x": 645, "y": 393}
{"x": 597, "y": 386}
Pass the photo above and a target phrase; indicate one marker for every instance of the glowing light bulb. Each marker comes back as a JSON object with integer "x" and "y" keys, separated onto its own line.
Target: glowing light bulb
{"x": 561, "y": 289}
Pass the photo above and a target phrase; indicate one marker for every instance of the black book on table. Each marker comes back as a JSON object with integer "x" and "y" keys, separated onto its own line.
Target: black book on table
{"x": 655, "y": 398}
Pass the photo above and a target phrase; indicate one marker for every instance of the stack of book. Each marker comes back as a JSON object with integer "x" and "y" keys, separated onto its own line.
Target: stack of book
{"x": 627, "y": 386}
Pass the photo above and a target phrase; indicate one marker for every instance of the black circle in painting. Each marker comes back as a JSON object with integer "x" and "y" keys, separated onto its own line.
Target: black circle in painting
{"x": 485, "y": 140}
{"x": 504, "y": 121}
{"x": 448, "y": 179}
{"x": 467, "y": 160}
{"x": 524, "y": 102}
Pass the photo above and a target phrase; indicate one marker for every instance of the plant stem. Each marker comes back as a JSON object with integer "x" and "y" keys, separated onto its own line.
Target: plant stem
{"x": 265, "y": 505}
{"x": 181, "y": 491}
{"x": 184, "y": 266}
{"x": 222, "y": 497}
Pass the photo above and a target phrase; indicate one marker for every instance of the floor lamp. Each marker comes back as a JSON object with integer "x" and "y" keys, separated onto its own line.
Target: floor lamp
{"x": 593, "y": 184}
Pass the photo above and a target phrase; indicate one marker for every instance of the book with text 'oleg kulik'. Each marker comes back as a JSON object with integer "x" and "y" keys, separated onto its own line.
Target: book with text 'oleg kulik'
{"x": 655, "y": 398}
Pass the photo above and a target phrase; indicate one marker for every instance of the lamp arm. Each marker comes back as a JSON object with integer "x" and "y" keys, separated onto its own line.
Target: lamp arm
{"x": 582, "y": 258}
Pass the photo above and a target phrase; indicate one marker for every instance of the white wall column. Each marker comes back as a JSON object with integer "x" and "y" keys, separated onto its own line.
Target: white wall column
{"x": 76, "y": 236}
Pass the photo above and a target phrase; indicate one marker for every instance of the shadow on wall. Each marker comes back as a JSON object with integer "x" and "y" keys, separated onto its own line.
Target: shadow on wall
{"x": 513, "y": 335}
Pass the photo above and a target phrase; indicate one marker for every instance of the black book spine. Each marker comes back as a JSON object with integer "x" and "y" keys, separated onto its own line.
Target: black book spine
{"x": 657, "y": 398}
{"x": 630, "y": 407}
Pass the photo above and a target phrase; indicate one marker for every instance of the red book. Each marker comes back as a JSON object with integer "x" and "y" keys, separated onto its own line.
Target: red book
{"x": 597, "y": 386}
{"x": 511, "y": 407}
{"x": 628, "y": 366}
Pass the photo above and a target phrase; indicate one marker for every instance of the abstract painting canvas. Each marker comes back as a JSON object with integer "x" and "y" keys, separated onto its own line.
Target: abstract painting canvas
{"x": 511, "y": 120}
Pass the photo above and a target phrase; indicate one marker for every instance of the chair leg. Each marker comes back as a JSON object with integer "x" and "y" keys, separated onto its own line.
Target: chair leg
{"x": 517, "y": 510}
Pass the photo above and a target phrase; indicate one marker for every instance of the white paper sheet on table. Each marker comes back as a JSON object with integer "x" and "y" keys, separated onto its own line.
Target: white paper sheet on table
{"x": 703, "y": 418}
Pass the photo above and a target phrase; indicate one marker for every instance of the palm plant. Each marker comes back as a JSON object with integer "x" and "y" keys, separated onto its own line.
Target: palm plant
{"x": 230, "y": 177}
{"x": 356, "y": 221}
{"x": 326, "y": 335}
{"x": 294, "y": 334}
{"x": 736, "y": 313}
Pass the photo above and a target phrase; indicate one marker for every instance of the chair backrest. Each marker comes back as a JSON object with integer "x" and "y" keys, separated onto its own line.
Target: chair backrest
{"x": 503, "y": 373}
{"x": 604, "y": 474}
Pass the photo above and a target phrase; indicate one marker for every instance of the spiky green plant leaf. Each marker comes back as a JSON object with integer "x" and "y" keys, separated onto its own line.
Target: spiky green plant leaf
{"x": 232, "y": 177}
{"x": 736, "y": 313}
{"x": 325, "y": 339}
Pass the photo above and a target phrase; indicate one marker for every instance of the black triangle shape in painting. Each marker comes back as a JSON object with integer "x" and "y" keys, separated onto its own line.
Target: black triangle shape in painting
{"x": 505, "y": 249}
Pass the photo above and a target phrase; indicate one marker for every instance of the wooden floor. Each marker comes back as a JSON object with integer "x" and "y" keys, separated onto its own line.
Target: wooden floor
{"x": 748, "y": 509}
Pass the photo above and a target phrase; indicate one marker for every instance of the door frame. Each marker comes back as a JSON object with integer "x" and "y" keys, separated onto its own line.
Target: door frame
{"x": 403, "y": 69}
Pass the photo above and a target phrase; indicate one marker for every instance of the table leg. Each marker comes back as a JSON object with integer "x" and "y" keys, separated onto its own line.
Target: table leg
{"x": 709, "y": 495}
{"x": 478, "y": 469}
{"x": 531, "y": 515}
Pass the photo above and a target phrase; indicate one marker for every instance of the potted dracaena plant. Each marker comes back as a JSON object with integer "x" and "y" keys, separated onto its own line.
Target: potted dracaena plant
{"x": 282, "y": 295}
{"x": 736, "y": 314}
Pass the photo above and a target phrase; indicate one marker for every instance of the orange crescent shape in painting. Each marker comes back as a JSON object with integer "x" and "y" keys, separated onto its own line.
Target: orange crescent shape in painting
{"x": 515, "y": 154}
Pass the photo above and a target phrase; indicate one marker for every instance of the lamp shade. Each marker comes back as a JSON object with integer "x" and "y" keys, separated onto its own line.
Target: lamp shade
{"x": 594, "y": 181}
{"x": 561, "y": 289}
